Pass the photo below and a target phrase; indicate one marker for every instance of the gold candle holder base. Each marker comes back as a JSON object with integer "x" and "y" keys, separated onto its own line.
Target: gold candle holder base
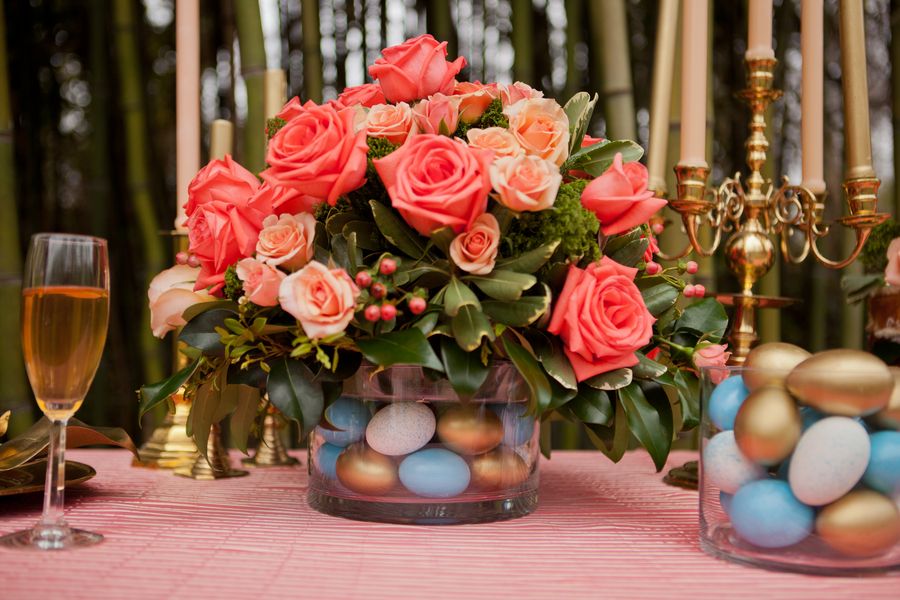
{"x": 169, "y": 446}
{"x": 218, "y": 466}
{"x": 271, "y": 451}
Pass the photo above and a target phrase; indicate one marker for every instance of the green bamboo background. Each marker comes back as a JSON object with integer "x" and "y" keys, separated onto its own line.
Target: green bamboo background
{"x": 87, "y": 140}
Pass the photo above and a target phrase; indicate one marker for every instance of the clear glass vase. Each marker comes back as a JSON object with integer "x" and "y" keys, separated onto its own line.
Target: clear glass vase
{"x": 403, "y": 448}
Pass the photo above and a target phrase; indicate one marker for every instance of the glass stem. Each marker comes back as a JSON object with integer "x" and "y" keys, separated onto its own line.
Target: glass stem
{"x": 55, "y": 487}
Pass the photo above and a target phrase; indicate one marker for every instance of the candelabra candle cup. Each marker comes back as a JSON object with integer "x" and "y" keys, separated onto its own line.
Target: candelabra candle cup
{"x": 400, "y": 447}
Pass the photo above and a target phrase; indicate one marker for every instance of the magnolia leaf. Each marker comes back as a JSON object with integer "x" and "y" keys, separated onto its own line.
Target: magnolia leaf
{"x": 689, "y": 397}
{"x": 442, "y": 238}
{"x": 524, "y": 311}
{"x": 706, "y": 317}
{"x": 506, "y": 286}
{"x": 611, "y": 380}
{"x": 398, "y": 233}
{"x": 457, "y": 295}
{"x": 560, "y": 395}
{"x": 293, "y": 391}
{"x": 406, "y": 347}
{"x": 201, "y": 307}
{"x": 531, "y": 371}
{"x": 611, "y": 440}
{"x": 550, "y": 353}
{"x": 649, "y": 419}
{"x": 592, "y": 406}
{"x": 204, "y": 408}
{"x": 367, "y": 236}
{"x": 427, "y": 322}
{"x": 531, "y": 261}
{"x": 660, "y": 298}
{"x": 200, "y": 332}
{"x": 154, "y": 394}
{"x": 464, "y": 370}
{"x": 631, "y": 254}
{"x": 579, "y": 109}
{"x": 245, "y": 412}
{"x": 469, "y": 327}
{"x": 647, "y": 368}
{"x": 335, "y": 223}
{"x": 597, "y": 158}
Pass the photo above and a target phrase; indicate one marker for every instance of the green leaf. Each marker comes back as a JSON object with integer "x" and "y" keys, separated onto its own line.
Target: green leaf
{"x": 398, "y": 233}
{"x": 200, "y": 332}
{"x": 469, "y": 327}
{"x": 660, "y": 298}
{"x": 532, "y": 372}
{"x": 442, "y": 238}
{"x": 154, "y": 394}
{"x": 550, "y": 353}
{"x": 293, "y": 391}
{"x": 506, "y": 286}
{"x": 689, "y": 396}
{"x": 201, "y": 307}
{"x": 592, "y": 406}
{"x": 525, "y": 311}
{"x": 579, "y": 109}
{"x": 252, "y": 376}
{"x": 611, "y": 440}
{"x": 650, "y": 420}
{"x": 204, "y": 408}
{"x": 464, "y": 370}
{"x": 531, "y": 261}
{"x": 647, "y": 368}
{"x": 335, "y": 223}
{"x": 706, "y": 317}
{"x": 244, "y": 415}
{"x": 457, "y": 295}
{"x": 406, "y": 347}
{"x": 631, "y": 254}
{"x": 560, "y": 394}
{"x": 597, "y": 158}
{"x": 427, "y": 322}
{"x": 366, "y": 233}
{"x": 611, "y": 380}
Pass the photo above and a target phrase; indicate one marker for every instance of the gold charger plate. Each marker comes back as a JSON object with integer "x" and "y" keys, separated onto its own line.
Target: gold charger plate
{"x": 29, "y": 478}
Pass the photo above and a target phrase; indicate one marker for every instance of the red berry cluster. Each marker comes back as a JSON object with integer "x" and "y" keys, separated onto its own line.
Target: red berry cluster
{"x": 380, "y": 284}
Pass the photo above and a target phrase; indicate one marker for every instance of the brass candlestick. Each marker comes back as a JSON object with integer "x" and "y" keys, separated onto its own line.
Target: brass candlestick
{"x": 752, "y": 212}
{"x": 271, "y": 451}
{"x": 216, "y": 465}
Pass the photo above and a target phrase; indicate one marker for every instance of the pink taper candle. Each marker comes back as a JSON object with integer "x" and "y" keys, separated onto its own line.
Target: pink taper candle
{"x": 759, "y": 30}
{"x": 811, "y": 134}
{"x": 187, "y": 101}
{"x": 694, "y": 31}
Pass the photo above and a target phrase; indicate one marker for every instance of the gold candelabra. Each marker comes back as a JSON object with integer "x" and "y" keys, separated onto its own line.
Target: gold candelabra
{"x": 749, "y": 213}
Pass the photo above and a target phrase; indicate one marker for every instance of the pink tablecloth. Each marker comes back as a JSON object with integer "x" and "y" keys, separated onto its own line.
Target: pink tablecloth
{"x": 602, "y": 530}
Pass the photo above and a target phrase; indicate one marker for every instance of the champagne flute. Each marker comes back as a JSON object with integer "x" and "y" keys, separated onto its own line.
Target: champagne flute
{"x": 65, "y": 311}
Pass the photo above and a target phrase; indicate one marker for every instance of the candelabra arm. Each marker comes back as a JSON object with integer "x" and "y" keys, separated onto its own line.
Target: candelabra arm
{"x": 690, "y": 226}
{"x": 862, "y": 234}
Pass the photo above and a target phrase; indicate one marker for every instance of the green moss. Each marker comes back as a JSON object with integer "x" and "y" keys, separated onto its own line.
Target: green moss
{"x": 380, "y": 147}
{"x": 234, "y": 288}
{"x": 874, "y": 254}
{"x": 492, "y": 117}
{"x": 273, "y": 126}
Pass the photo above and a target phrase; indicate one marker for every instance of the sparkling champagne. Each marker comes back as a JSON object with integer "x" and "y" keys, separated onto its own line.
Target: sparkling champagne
{"x": 63, "y": 332}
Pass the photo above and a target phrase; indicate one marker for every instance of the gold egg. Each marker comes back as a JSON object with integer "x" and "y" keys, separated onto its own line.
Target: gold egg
{"x": 470, "y": 428}
{"x": 365, "y": 471}
{"x": 889, "y": 416}
{"x": 768, "y": 426}
{"x": 862, "y": 523}
{"x": 498, "y": 469}
{"x": 849, "y": 383}
{"x": 770, "y": 364}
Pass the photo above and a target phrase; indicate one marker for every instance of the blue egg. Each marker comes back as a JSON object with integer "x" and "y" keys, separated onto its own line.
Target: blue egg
{"x": 350, "y": 416}
{"x": 518, "y": 428}
{"x": 767, "y": 514}
{"x": 434, "y": 473}
{"x": 883, "y": 472}
{"x": 725, "y": 502}
{"x": 326, "y": 460}
{"x": 725, "y": 401}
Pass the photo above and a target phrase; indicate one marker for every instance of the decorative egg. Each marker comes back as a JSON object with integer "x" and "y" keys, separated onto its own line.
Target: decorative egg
{"x": 518, "y": 427}
{"x": 829, "y": 460}
{"x": 326, "y": 459}
{"x": 365, "y": 471}
{"x": 725, "y": 401}
{"x": 349, "y": 416}
{"x": 725, "y": 467}
{"x": 400, "y": 428}
{"x": 849, "y": 383}
{"x": 435, "y": 473}
{"x": 767, "y": 426}
{"x": 725, "y": 502}
{"x": 862, "y": 523}
{"x": 769, "y": 364}
{"x": 498, "y": 469}
{"x": 883, "y": 472}
{"x": 766, "y": 514}
{"x": 810, "y": 416}
{"x": 470, "y": 428}
{"x": 889, "y": 416}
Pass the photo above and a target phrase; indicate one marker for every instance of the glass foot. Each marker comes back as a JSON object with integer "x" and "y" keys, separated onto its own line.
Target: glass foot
{"x": 50, "y": 538}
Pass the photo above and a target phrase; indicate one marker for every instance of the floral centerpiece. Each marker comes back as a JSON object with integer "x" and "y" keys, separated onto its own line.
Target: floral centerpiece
{"x": 449, "y": 225}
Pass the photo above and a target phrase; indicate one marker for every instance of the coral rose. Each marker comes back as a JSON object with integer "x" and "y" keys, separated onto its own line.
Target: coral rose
{"x": 892, "y": 271}
{"x": 496, "y": 139}
{"x": 652, "y": 249}
{"x": 714, "y": 357}
{"x": 287, "y": 241}
{"x": 474, "y": 99}
{"x": 393, "y": 122}
{"x": 322, "y": 300}
{"x": 221, "y": 181}
{"x": 170, "y": 294}
{"x": 366, "y": 95}
{"x": 284, "y": 199}
{"x": 416, "y": 69}
{"x": 318, "y": 153}
{"x": 475, "y": 251}
{"x": 525, "y": 183}
{"x": 438, "y": 114}
{"x": 261, "y": 281}
{"x": 541, "y": 127}
{"x": 589, "y": 140}
{"x": 291, "y": 109}
{"x": 601, "y": 318}
{"x": 435, "y": 181}
{"x": 620, "y": 197}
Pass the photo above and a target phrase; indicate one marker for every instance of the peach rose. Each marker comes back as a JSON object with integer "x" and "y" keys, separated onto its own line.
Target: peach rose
{"x": 318, "y": 153}
{"x": 170, "y": 294}
{"x": 366, "y": 95}
{"x": 393, "y": 122}
{"x": 713, "y": 356}
{"x": 496, "y": 139}
{"x": 474, "y": 99}
{"x": 416, "y": 69}
{"x": 261, "y": 281}
{"x": 322, "y": 300}
{"x": 541, "y": 127}
{"x": 601, "y": 318}
{"x": 892, "y": 271}
{"x": 620, "y": 197}
{"x": 436, "y": 181}
{"x": 221, "y": 181}
{"x": 438, "y": 114}
{"x": 475, "y": 251}
{"x": 525, "y": 183}
{"x": 287, "y": 241}
{"x": 510, "y": 93}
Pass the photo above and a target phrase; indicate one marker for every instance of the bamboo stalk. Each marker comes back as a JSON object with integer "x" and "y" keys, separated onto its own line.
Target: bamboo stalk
{"x": 612, "y": 56}
{"x": 312, "y": 51}
{"x": 253, "y": 67}
{"x": 574, "y": 35}
{"x": 439, "y": 22}
{"x": 895, "y": 99}
{"x": 523, "y": 41}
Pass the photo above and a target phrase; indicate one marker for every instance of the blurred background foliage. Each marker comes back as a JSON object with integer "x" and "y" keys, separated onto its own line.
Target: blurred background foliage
{"x": 87, "y": 128}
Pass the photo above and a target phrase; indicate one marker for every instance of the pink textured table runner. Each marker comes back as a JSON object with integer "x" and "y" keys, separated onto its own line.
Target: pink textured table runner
{"x": 602, "y": 530}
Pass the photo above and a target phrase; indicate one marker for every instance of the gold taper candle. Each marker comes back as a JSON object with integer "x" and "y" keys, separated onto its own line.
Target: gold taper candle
{"x": 663, "y": 65}
{"x": 694, "y": 30}
{"x": 759, "y": 30}
{"x": 856, "y": 90}
{"x": 221, "y": 139}
{"x": 811, "y": 134}
{"x": 187, "y": 101}
{"x": 274, "y": 91}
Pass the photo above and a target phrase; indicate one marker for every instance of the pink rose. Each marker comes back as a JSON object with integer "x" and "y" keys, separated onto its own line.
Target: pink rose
{"x": 393, "y": 122}
{"x": 892, "y": 271}
{"x": 601, "y": 318}
{"x": 323, "y": 300}
{"x": 496, "y": 139}
{"x": 285, "y": 199}
{"x": 474, "y": 99}
{"x": 541, "y": 127}
{"x": 170, "y": 294}
{"x": 416, "y": 69}
{"x": 588, "y": 140}
{"x": 512, "y": 93}
{"x": 366, "y": 95}
{"x": 620, "y": 197}
{"x": 221, "y": 181}
{"x": 436, "y": 181}
{"x": 261, "y": 281}
{"x": 525, "y": 183}
{"x": 475, "y": 250}
{"x": 318, "y": 153}
{"x": 714, "y": 357}
{"x": 438, "y": 114}
{"x": 287, "y": 241}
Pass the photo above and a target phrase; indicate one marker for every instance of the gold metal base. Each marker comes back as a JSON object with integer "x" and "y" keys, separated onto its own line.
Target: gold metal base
{"x": 218, "y": 466}
{"x": 743, "y": 334}
{"x": 271, "y": 451}
{"x": 169, "y": 447}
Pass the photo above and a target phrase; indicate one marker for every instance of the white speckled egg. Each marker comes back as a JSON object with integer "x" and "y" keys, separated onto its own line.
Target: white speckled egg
{"x": 725, "y": 467}
{"x": 400, "y": 428}
{"x": 829, "y": 460}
